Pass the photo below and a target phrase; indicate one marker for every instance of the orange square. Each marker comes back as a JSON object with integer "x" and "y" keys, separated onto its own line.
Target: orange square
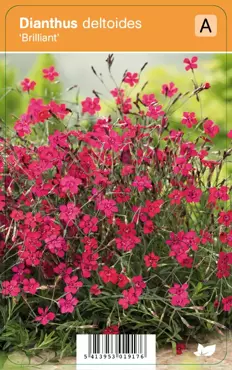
{"x": 205, "y": 25}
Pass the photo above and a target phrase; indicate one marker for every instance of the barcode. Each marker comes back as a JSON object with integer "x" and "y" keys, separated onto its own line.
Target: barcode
{"x": 117, "y": 344}
{"x": 116, "y": 349}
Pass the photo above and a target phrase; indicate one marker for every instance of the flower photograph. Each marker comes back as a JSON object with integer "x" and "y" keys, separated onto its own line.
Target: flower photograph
{"x": 115, "y": 199}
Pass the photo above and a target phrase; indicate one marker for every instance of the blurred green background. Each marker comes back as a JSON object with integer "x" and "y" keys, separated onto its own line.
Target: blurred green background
{"x": 75, "y": 69}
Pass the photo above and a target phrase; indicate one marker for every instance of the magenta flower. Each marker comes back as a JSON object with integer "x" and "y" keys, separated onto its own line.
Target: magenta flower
{"x": 229, "y": 135}
{"x": 72, "y": 284}
{"x": 151, "y": 260}
{"x": 141, "y": 183}
{"x": 227, "y": 303}
{"x": 94, "y": 290}
{"x": 88, "y": 224}
{"x": 149, "y": 99}
{"x": 210, "y": 128}
{"x": 169, "y": 89}
{"x": 50, "y": 73}
{"x": 108, "y": 207}
{"x": 91, "y": 106}
{"x": 68, "y": 303}
{"x": 30, "y": 286}
{"x": 27, "y": 84}
{"x": 10, "y": 288}
{"x": 189, "y": 119}
{"x": 191, "y": 63}
{"x": 179, "y": 295}
{"x": 109, "y": 275}
{"x": 69, "y": 212}
{"x": 131, "y": 78}
{"x": 192, "y": 194}
{"x": 113, "y": 329}
{"x": 70, "y": 183}
{"x": 44, "y": 316}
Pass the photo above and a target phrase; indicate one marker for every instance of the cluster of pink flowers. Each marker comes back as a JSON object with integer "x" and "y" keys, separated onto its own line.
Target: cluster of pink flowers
{"x": 179, "y": 295}
{"x": 131, "y": 296}
{"x": 106, "y": 209}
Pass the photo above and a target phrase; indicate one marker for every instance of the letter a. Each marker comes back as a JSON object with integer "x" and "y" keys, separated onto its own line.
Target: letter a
{"x": 205, "y": 25}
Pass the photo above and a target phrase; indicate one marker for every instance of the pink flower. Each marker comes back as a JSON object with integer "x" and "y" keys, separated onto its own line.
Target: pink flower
{"x": 148, "y": 227}
{"x": 108, "y": 207}
{"x": 191, "y": 63}
{"x": 225, "y": 218}
{"x": 169, "y": 89}
{"x": 70, "y": 183}
{"x": 117, "y": 93}
{"x": 56, "y": 245}
{"x": 126, "y": 105}
{"x": 122, "y": 280}
{"x": 179, "y": 295}
{"x": 127, "y": 243}
{"x": 153, "y": 208}
{"x": 139, "y": 284}
{"x": 109, "y": 275}
{"x": 27, "y": 84}
{"x": 206, "y": 237}
{"x": 151, "y": 260}
{"x": 211, "y": 129}
{"x": 62, "y": 269}
{"x": 44, "y": 316}
{"x": 229, "y": 135}
{"x": 30, "y": 286}
{"x": 180, "y": 347}
{"x": 218, "y": 194}
{"x": 61, "y": 112}
{"x": 95, "y": 290}
{"x": 72, "y": 284}
{"x": 69, "y": 212}
{"x": 68, "y": 303}
{"x": 50, "y": 73}
{"x": 122, "y": 194}
{"x": 91, "y": 106}
{"x": 223, "y": 265}
{"x": 155, "y": 111}
{"x": 113, "y": 329}
{"x": 10, "y": 288}
{"x": 227, "y": 303}
{"x": 192, "y": 194}
{"x": 178, "y": 289}
{"x": 130, "y": 297}
{"x": 88, "y": 224}
{"x": 226, "y": 238}
{"x": 22, "y": 128}
{"x": 141, "y": 183}
{"x": 131, "y": 78}
{"x": 17, "y": 215}
{"x": 176, "y": 196}
{"x": 189, "y": 119}
{"x": 32, "y": 256}
{"x": 19, "y": 271}
{"x": 149, "y": 99}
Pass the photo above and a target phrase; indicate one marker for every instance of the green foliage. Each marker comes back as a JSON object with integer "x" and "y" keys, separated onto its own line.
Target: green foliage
{"x": 14, "y": 100}
{"x": 10, "y": 97}
{"x": 44, "y": 88}
{"x": 153, "y": 314}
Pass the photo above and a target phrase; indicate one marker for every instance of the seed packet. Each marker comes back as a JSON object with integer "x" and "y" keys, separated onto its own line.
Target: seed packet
{"x": 115, "y": 185}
